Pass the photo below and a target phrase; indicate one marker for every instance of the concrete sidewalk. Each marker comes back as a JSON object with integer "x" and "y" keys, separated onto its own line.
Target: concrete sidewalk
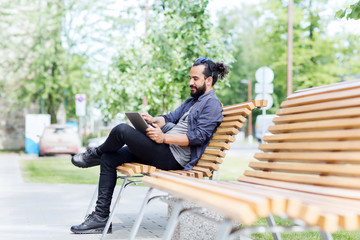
{"x": 47, "y": 211}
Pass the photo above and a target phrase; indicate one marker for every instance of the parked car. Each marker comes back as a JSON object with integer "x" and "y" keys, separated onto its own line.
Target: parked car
{"x": 262, "y": 124}
{"x": 58, "y": 138}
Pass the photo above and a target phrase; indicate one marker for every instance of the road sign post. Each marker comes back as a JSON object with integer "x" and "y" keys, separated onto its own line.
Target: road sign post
{"x": 80, "y": 109}
{"x": 264, "y": 88}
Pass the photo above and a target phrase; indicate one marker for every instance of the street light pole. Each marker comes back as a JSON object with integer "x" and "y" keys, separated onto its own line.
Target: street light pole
{"x": 250, "y": 130}
{"x": 290, "y": 48}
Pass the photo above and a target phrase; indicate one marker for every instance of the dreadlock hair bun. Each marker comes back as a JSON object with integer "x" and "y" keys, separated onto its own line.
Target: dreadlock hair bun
{"x": 222, "y": 70}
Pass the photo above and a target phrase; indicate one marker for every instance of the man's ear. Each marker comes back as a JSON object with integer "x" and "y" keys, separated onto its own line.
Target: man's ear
{"x": 209, "y": 81}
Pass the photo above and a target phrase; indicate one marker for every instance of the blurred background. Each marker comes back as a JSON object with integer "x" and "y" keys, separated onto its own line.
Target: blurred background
{"x": 84, "y": 63}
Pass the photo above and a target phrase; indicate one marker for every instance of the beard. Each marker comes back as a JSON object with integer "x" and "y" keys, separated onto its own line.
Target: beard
{"x": 198, "y": 91}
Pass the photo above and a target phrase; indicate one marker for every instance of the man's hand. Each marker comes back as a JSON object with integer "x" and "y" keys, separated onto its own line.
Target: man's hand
{"x": 148, "y": 118}
{"x": 160, "y": 121}
{"x": 155, "y": 134}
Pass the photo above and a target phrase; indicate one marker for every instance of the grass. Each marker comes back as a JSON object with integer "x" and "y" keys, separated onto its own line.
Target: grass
{"x": 57, "y": 170}
{"x": 60, "y": 170}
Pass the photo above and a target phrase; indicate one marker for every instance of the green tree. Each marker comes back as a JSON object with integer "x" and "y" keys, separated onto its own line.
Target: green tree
{"x": 157, "y": 67}
{"x": 318, "y": 58}
{"x": 43, "y": 71}
{"x": 351, "y": 12}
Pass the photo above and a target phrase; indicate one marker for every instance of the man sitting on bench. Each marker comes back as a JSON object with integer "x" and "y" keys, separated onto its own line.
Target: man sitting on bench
{"x": 193, "y": 122}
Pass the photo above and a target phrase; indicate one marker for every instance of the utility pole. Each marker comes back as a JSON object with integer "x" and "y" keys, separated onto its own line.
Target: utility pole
{"x": 144, "y": 100}
{"x": 250, "y": 130}
{"x": 290, "y": 48}
{"x": 146, "y": 17}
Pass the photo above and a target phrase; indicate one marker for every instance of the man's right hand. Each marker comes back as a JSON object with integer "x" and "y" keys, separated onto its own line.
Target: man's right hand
{"x": 160, "y": 121}
{"x": 148, "y": 118}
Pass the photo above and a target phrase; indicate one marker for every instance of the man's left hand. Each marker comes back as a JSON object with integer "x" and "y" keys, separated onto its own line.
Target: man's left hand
{"x": 155, "y": 134}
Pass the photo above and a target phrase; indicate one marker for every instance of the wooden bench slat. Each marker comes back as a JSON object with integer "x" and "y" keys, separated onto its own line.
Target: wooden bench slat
{"x": 277, "y": 202}
{"x": 234, "y": 118}
{"x": 338, "y": 104}
{"x": 260, "y": 103}
{"x": 210, "y": 165}
{"x": 338, "y": 95}
{"x": 312, "y": 146}
{"x": 258, "y": 203}
{"x": 205, "y": 171}
{"x": 322, "y": 169}
{"x": 328, "y": 157}
{"x": 233, "y": 124}
{"x": 342, "y": 182}
{"x": 320, "y": 115}
{"x": 335, "y": 87}
{"x": 321, "y": 190}
{"x": 240, "y": 111}
{"x": 240, "y": 211}
{"x": 340, "y": 202}
{"x": 225, "y": 138}
{"x": 146, "y": 168}
{"x": 296, "y": 209}
{"x": 316, "y": 125}
{"x": 213, "y": 159}
{"x": 221, "y": 145}
{"x": 197, "y": 174}
{"x": 218, "y": 153}
{"x": 231, "y": 131}
{"x": 347, "y": 211}
{"x": 134, "y": 167}
{"x": 125, "y": 170}
{"x": 247, "y": 105}
{"x": 350, "y": 134}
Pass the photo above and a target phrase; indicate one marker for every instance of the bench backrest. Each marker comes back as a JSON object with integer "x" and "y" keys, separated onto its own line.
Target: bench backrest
{"x": 233, "y": 121}
{"x": 316, "y": 139}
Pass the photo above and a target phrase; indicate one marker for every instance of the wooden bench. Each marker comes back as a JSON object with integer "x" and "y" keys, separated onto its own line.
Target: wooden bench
{"x": 233, "y": 121}
{"x": 309, "y": 170}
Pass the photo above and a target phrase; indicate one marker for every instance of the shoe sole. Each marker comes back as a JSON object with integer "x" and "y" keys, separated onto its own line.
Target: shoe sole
{"x": 83, "y": 166}
{"x": 92, "y": 231}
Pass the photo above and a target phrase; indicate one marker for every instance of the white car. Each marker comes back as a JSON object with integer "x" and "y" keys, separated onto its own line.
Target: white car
{"x": 58, "y": 138}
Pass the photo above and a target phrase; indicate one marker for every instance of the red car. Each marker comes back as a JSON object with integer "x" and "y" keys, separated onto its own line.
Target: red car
{"x": 59, "y": 139}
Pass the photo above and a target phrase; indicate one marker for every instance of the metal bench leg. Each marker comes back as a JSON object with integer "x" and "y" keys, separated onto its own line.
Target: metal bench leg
{"x": 113, "y": 208}
{"x": 140, "y": 216}
{"x": 92, "y": 202}
{"x": 271, "y": 222}
{"x": 224, "y": 230}
{"x": 170, "y": 228}
{"x": 326, "y": 235}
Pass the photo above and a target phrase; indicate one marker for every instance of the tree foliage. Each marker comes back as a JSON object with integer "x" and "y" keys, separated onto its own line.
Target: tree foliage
{"x": 351, "y": 12}
{"x": 157, "y": 67}
{"x": 260, "y": 39}
{"x": 42, "y": 71}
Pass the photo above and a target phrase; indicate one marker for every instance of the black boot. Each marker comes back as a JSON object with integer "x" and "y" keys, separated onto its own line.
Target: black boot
{"x": 89, "y": 158}
{"x": 92, "y": 224}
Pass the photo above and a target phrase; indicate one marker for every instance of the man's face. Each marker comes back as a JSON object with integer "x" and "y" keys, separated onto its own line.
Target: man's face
{"x": 198, "y": 84}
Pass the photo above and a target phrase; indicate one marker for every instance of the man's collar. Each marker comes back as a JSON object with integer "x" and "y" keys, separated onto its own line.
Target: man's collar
{"x": 209, "y": 93}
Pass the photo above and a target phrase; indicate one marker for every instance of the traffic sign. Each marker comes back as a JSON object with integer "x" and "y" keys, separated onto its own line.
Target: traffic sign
{"x": 80, "y": 104}
{"x": 267, "y": 88}
{"x": 264, "y": 75}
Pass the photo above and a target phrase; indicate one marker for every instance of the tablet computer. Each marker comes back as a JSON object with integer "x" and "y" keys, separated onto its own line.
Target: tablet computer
{"x": 137, "y": 121}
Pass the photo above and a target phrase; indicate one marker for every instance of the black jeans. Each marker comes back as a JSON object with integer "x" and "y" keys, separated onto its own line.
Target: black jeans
{"x": 125, "y": 144}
